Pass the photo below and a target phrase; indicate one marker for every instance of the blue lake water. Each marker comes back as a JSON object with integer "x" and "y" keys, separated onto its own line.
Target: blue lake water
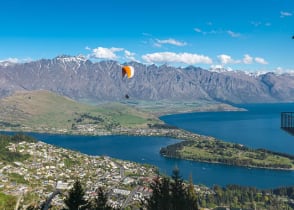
{"x": 259, "y": 127}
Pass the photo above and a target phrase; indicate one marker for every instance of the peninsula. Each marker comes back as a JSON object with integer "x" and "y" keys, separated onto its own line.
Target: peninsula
{"x": 47, "y": 112}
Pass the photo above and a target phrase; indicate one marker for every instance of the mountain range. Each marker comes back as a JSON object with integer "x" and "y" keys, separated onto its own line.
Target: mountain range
{"x": 81, "y": 79}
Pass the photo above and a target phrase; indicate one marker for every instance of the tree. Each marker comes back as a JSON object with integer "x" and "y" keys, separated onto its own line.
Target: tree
{"x": 178, "y": 191}
{"x": 172, "y": 194}
{"x": 75, "y": 198}
{"x": 100, "y": 202}
{"x": 160, "y": 198}
{"x": 191, "y": 199}
{"x": 165, "y": 199}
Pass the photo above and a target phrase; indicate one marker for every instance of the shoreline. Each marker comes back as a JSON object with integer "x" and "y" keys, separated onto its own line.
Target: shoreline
{"x": 166, "y": 130}
{"x": 176, "y": 133}
{"x": 249, "y": 167}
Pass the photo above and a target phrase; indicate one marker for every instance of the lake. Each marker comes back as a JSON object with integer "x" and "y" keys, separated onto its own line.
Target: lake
{"x": 258, "y": 127}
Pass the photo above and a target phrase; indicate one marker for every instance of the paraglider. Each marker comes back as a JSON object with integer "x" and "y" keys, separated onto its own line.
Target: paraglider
{"x": 128, "y": 72}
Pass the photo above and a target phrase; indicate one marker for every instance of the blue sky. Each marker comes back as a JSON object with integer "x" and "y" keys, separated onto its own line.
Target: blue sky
{"x": 253, "y": 35}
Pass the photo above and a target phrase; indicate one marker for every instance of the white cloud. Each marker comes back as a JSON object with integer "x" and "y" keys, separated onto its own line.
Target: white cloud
{"x": 129, "y": 55}
{"x": 247, "y": 59}
{"x": 260, "y": 60}
{"x": 217, "y": 66}
{"x": 267, "y": 24}
{"x": 280, "y": 70}
{"x": 229, "y": 32}
{"x": 146, "y": 34}
{"x": 170, "y": 41}
{"x": 156, "y": 44}
{"x": 11, "y": 60}
{"x": 198, "y": 30}
{"x": 285, "y": 14}
{"x": 16, "y": 60}
{"x": 226, "y": 59}
{"x": 233, "y": 34}
{"x": 170, "y": 57}
{"x": 259, "y": 23}
{"x": 87, "y": 48}
{"x": 106, "y": 53}
{"x": 256, "y": 23}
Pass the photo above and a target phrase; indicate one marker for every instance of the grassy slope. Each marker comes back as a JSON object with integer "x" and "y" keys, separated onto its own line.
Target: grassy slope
{"x": 164, "y": 107}
{"x": 45, "y": 109}
{"x": 267, "y": 160}
{"x": 7, "y": 201}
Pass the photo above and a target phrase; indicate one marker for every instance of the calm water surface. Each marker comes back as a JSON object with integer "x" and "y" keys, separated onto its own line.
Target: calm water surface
{"x": 259, "y": 127}
{"x": 146, "y": 150}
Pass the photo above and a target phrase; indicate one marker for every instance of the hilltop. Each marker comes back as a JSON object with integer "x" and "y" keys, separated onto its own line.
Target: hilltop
{"x": 45, "y": 111}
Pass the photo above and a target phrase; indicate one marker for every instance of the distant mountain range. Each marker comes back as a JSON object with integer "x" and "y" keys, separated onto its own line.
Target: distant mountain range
{"x": 81, "y": 79}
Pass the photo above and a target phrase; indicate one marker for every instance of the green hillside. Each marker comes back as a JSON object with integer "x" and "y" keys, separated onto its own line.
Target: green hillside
{"x": 48, "y": 112}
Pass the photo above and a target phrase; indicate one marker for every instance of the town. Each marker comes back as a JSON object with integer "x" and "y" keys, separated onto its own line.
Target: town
{"x": 50, "y": 169}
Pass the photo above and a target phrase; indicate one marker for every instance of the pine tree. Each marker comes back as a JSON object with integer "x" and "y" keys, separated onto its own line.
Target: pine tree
{"x": 161, "y": 197}
{"x": 165, "y": 194}
{"x": 172, "y": 194}
{"x": 75, "y": 198}
{"x": 191, "y": 199}
{"x": 178, "y": 191}
{"x": 153, "y": 201}
{"x": 100, "y": 202}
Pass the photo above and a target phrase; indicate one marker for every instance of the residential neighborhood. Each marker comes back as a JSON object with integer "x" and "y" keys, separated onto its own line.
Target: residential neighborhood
{"x": 52, "y": 171}
{"x": 50, "y": 168}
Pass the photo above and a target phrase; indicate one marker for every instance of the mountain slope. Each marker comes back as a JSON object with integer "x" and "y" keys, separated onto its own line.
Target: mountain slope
{"x": 82, "y": 79}
{"x": 46, "y": 111}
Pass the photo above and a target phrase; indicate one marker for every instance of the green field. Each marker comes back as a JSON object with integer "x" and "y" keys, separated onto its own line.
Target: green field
{"x": 216, "y": 151}
{"x": 7, "y": 202}
{"x": 44, "y": 111}
{"x": 164, "y": 107}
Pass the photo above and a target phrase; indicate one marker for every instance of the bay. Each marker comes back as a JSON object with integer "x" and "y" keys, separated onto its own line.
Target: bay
{"x": 258, "y": 127}
{"x": 145, "y": 150}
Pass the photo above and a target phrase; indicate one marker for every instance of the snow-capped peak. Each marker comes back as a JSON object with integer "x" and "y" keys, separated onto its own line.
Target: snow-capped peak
{"x": 7, "y": 63}
{"x": 66, "y": 58}
{"x": 219, "y": 69}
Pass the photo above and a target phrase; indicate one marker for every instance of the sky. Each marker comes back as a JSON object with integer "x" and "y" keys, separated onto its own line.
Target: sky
{"x": 251, "y": 35}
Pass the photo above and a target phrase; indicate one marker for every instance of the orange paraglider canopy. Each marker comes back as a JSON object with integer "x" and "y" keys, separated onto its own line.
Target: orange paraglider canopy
{"x": 127, "y": 70}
